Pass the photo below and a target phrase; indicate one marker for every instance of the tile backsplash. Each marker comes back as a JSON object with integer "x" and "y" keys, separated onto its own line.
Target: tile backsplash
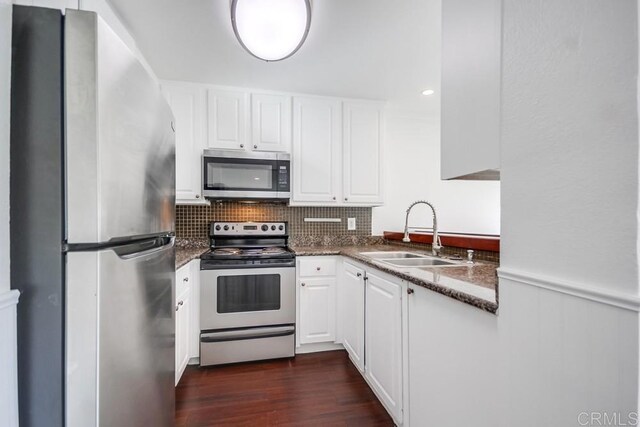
{"x": 192, "y": 222}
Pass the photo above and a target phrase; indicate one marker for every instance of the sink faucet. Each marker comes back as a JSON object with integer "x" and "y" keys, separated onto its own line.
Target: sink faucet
{"x": 436, "y": 246}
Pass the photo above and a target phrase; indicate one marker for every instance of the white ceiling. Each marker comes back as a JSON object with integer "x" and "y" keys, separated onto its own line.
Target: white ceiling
{"x": 377, "y": 49}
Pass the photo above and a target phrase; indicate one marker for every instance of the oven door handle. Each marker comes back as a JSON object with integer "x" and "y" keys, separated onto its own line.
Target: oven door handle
{"x": 248, "y": 334}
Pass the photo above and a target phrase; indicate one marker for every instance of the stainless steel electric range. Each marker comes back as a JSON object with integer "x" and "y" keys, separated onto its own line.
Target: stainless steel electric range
{"x": 247, "y": 293}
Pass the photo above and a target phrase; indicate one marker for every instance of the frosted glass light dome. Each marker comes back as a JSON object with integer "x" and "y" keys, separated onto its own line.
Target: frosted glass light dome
{"x": 271, "y": 30}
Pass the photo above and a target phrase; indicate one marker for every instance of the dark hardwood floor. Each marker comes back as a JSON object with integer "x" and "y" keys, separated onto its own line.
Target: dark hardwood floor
{"x": 319, "y": 389}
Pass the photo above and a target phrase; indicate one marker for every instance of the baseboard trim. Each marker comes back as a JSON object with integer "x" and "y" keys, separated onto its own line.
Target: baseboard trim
{"x": 604, "y": 296}
{"x": 9, "y": 298}
{"x": 317, "y": 347}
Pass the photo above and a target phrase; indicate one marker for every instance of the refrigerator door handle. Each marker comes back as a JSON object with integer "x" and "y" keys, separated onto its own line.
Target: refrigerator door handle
{"x": 140, "y": 249}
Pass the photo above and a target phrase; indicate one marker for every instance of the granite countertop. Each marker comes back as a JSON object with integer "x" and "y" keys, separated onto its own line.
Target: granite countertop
{"x": 189, "y": 249}
{"x": 475, "y": 284}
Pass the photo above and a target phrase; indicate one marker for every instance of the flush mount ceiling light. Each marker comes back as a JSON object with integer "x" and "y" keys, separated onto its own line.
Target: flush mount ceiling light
{"x": 428, "y": 92}
{"x": 271, "y": 30}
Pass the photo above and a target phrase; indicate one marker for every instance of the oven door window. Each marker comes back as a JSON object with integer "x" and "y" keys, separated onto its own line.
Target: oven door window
{"x": 239, "y": 294}
{"x": 240, "y": 175}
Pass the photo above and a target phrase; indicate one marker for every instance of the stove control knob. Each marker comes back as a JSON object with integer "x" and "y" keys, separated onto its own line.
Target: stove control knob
{"x": 273, "y": 227}
{"x": 265, "y": 227}
{"x": 226, "y": 228}
{"x": 281, "y": 227}
{"x": 218, "y": 227}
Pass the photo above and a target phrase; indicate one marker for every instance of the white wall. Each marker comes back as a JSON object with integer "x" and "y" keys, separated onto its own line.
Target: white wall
{"x": 568, "y": 318}
{"x": 412, "y": 172}
{"x": 570, "y": 141}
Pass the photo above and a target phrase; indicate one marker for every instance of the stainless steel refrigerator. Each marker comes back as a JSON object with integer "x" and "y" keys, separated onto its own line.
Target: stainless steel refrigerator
{"x": 92, "y": 226}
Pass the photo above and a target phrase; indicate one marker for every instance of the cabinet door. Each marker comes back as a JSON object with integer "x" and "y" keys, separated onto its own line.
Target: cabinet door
{"x": 317, "y": 140}
{"x": 270, "y": 122}
{"x": 194, "y": 302}
{"x": 317, "y": 310}
{"x": 352, "y": 313}
{"x": 383, "y": 335}
{"x": 470, "y": 118}
{"x": 227, "y": 119}
{"x": 362, "y": 153}
{"x": 188, "y": 105}
{"x": 183, "y": 318}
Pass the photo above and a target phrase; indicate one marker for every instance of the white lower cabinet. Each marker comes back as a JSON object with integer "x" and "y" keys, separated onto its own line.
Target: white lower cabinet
{"x": 183, "y": 318}
{"x": 316, "y": 299}
{"x": 351, "y": 304}
{"x": 340, "y": 301}
{"x": 187, "y": 314}
{"x": 383, "y": 338}
{"x": 317, "y": 310}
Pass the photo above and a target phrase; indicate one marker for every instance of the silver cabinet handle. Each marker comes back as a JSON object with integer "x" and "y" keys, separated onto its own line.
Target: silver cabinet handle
{"x": 197, "y": 196}
{"x": 179, "y": 304}
{"x": 410, "y": 291}
{"x": 317, "y": 268}
{"x": 186, "y": 279}
{"x": 346, "y": 199}
{"x": 303, "y": 284}
{"x": 359, "y": 274}
{"x": 334, "y": 197}
{"x": 255, "y": 146}
{"x": 241, "y": 145}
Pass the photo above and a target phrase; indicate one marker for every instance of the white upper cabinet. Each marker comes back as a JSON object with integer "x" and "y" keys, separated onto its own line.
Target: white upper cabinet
{"x": 335, "y": 144}
{"x": 362, "y": 152}
{"x": 316, "y": 156}
{"x": 188, "y": 103}
{"x": 337, "y": 152}
{"x": 471, "y": 55}
{"x": 227, "y": 119}
{"x": 270, "y": 122}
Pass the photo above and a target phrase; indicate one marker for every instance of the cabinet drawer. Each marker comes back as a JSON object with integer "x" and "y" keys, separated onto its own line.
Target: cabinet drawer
{"x": 183, "y": 280}
{"x": 317, "y": 266}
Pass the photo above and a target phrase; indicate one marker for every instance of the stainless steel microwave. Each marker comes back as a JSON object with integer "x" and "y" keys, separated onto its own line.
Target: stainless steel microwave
{"x": 238, "y": 175}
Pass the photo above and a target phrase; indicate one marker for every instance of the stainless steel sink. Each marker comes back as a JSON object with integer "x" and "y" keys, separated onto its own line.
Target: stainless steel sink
{"x": 419, "y": 262}
{"x": 392, "y": 255}
{"x": 408, "y": 259}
